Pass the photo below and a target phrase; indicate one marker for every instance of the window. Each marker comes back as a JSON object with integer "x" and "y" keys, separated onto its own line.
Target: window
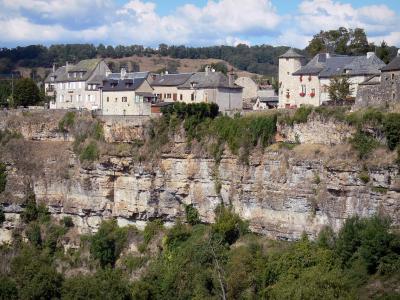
{"x": 192, "y": 97}
{"x": 74, "y": 74}
{"x": 137, "y": 99}
{"x": 393, "y": 76}
{"x": 124, "y": 99}
{"x": 116, "y": 99}
{"x": 81, "y": 74}
{"x": 169, "y": 96}
{"x": 303, "y": 88}
{"x": 108, "y": 99}
{"x": 181, "y": 97}
{"x": 288, "y": 73}
{"x": 394, "y": 96}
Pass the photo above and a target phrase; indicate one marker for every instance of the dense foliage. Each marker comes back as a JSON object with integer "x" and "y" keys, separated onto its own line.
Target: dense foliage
{"x": 3, "y": 177}
{"x": 222, "y": 260}
{"x": 26, "y": 93}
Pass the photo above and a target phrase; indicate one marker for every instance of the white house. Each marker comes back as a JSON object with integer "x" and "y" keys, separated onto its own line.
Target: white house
{"x": 307, "y": 84}
{"x": 77, "y": 86}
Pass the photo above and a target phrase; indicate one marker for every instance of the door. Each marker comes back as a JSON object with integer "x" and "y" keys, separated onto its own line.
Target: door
{"x": 175, "y": 97}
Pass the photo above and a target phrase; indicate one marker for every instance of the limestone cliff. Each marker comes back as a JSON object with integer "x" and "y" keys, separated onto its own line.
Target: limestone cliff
{"x": 282, "y": 193}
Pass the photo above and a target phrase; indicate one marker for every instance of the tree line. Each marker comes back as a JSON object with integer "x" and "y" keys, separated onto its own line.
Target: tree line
{"x": 261, "y": 59}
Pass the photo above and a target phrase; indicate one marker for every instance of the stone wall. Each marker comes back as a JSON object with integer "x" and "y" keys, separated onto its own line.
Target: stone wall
{"x": 384, "y": 93}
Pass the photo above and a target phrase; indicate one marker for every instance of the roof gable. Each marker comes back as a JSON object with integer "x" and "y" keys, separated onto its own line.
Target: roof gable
{"x": 394, "y": 65}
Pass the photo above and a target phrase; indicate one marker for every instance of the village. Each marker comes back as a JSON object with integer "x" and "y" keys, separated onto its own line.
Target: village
{"x": 90, "y": 85}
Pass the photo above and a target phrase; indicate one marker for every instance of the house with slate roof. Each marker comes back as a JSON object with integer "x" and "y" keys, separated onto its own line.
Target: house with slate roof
{"x": 76, "y": 86}
{"x": 208, "y": 86}
{"x": 382, "y": 89}
{"x": 127, "y": 94}
{"x": 307, "y": 84}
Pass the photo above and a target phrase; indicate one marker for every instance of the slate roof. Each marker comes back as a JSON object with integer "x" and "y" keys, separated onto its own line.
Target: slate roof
{"x": 171, "y": 79}
{"x": 372, "y": 80}
{"x": 394, "y": 65}
{"x": 208, "y": 80}
{"x": 291, "y": 53}
{"x": 86, "y": 66}
{"x": 132, "y": 75}
{"x": 122, "y": 84}
{"x": 56, "y": 74}
{"x": 326, "y": 66}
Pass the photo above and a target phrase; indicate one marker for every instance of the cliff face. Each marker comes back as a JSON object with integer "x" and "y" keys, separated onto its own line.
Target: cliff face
{"x": 282, "y": 193}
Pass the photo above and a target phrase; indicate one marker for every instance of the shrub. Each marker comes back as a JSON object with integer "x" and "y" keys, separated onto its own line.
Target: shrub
{"x": 2, "y": 216}
{"x": 364, "y": 144}
{"x": 391, "y": 127}
{"x": 192, "y": 215}
{"x": 30, "y": 212}
{"x": 26, "y": 92}
{"x": 34, "y": 235}
{"x": 90, "y": 152}
{"x": 67, "y": 222}
{"x": 151, "y": 230}
{"x": 177, "y": 234}
{"x": 107, "y": 244}
{"x": 67, "y": 122}
{"x": 104, "y": 284}
{"x": 8, "y": 289}
{"x": 3, "y": 177}
{"x": 228, "y": 226}
{"x": 364, "y": 176}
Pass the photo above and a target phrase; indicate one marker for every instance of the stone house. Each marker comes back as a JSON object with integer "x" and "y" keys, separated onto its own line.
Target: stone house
{"x": 250, "y": 87}
{"x": 382, "y": 89}
{"x": 307, "y": 84}
{"x": 127, "y": 94}
{"x": 208, "y": 86}
{"x": 76, "y": 86}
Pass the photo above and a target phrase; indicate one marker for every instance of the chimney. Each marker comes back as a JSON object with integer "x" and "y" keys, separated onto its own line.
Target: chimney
{"x": 370, "y": 54}
{"x": 207, "y": 70}
{"x": 231, "y": 78}
{"x": 54, "y": 67}
{"x": 123, "y": 73}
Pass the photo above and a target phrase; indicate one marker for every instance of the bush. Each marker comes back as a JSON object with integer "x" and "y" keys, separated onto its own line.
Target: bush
{"x": 107, "y": 244}
{"x": 2, "y": 216}
{"x": 104, "y": 284}
{"x": 8, "y": 289}
{"x": 364, "y": 176}
{"x": 3, "y": 177}
{"x": 26, "y": 92}
{"x": 192, "y": 215}
{"x": 34, "y": 235}
{"x": 67, "y": 222}
{"x": 364, "y": 144}
{"x": 30, "y": 212}
{"x": 90, "y": 152}
{"x": 391, "y": 127}
{"x": 228, "y": 226}
{"x": 67, "y": 122}
{"x": 177, "y": 234}
{"x": 151, "y": 230}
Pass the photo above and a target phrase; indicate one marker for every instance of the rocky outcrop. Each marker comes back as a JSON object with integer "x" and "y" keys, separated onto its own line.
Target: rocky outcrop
{"x": 282, "y": 193}
{"x": 318, "y": 130}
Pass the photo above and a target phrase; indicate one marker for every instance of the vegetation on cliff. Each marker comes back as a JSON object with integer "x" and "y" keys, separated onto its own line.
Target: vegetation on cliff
{"x": 222, "y": 260}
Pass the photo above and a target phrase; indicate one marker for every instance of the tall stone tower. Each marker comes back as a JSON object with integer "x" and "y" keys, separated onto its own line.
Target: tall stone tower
{"x": 289, "y": 63}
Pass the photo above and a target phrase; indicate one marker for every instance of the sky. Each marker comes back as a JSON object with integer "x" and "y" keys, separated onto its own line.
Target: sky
{"x": 192, "y": 22}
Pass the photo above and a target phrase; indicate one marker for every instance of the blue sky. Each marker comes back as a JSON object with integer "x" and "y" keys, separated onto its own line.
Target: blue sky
{"x": 192, "y": 22}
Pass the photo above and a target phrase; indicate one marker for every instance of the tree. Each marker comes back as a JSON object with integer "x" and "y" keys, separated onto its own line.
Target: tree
{"x": 30, "y": 212}
{"x": 107, "y": 243}
{"x": 26, "y": 92}
{"x": 383, "y": 52}
{"x": 5, "y": 93}
{"x": 340, "y": 41}
{"x": 339, "y": 88}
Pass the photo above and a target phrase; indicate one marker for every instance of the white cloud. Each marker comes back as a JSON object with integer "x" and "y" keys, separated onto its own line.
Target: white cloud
{"x": 217, "y": 22}
{"x": 318, "y": 15}
{"x": 223, "y": 21}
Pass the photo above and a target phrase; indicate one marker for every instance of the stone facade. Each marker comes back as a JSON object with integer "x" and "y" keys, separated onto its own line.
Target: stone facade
{"x": 250, "y": 88}
{"x": 379, "y": 92}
